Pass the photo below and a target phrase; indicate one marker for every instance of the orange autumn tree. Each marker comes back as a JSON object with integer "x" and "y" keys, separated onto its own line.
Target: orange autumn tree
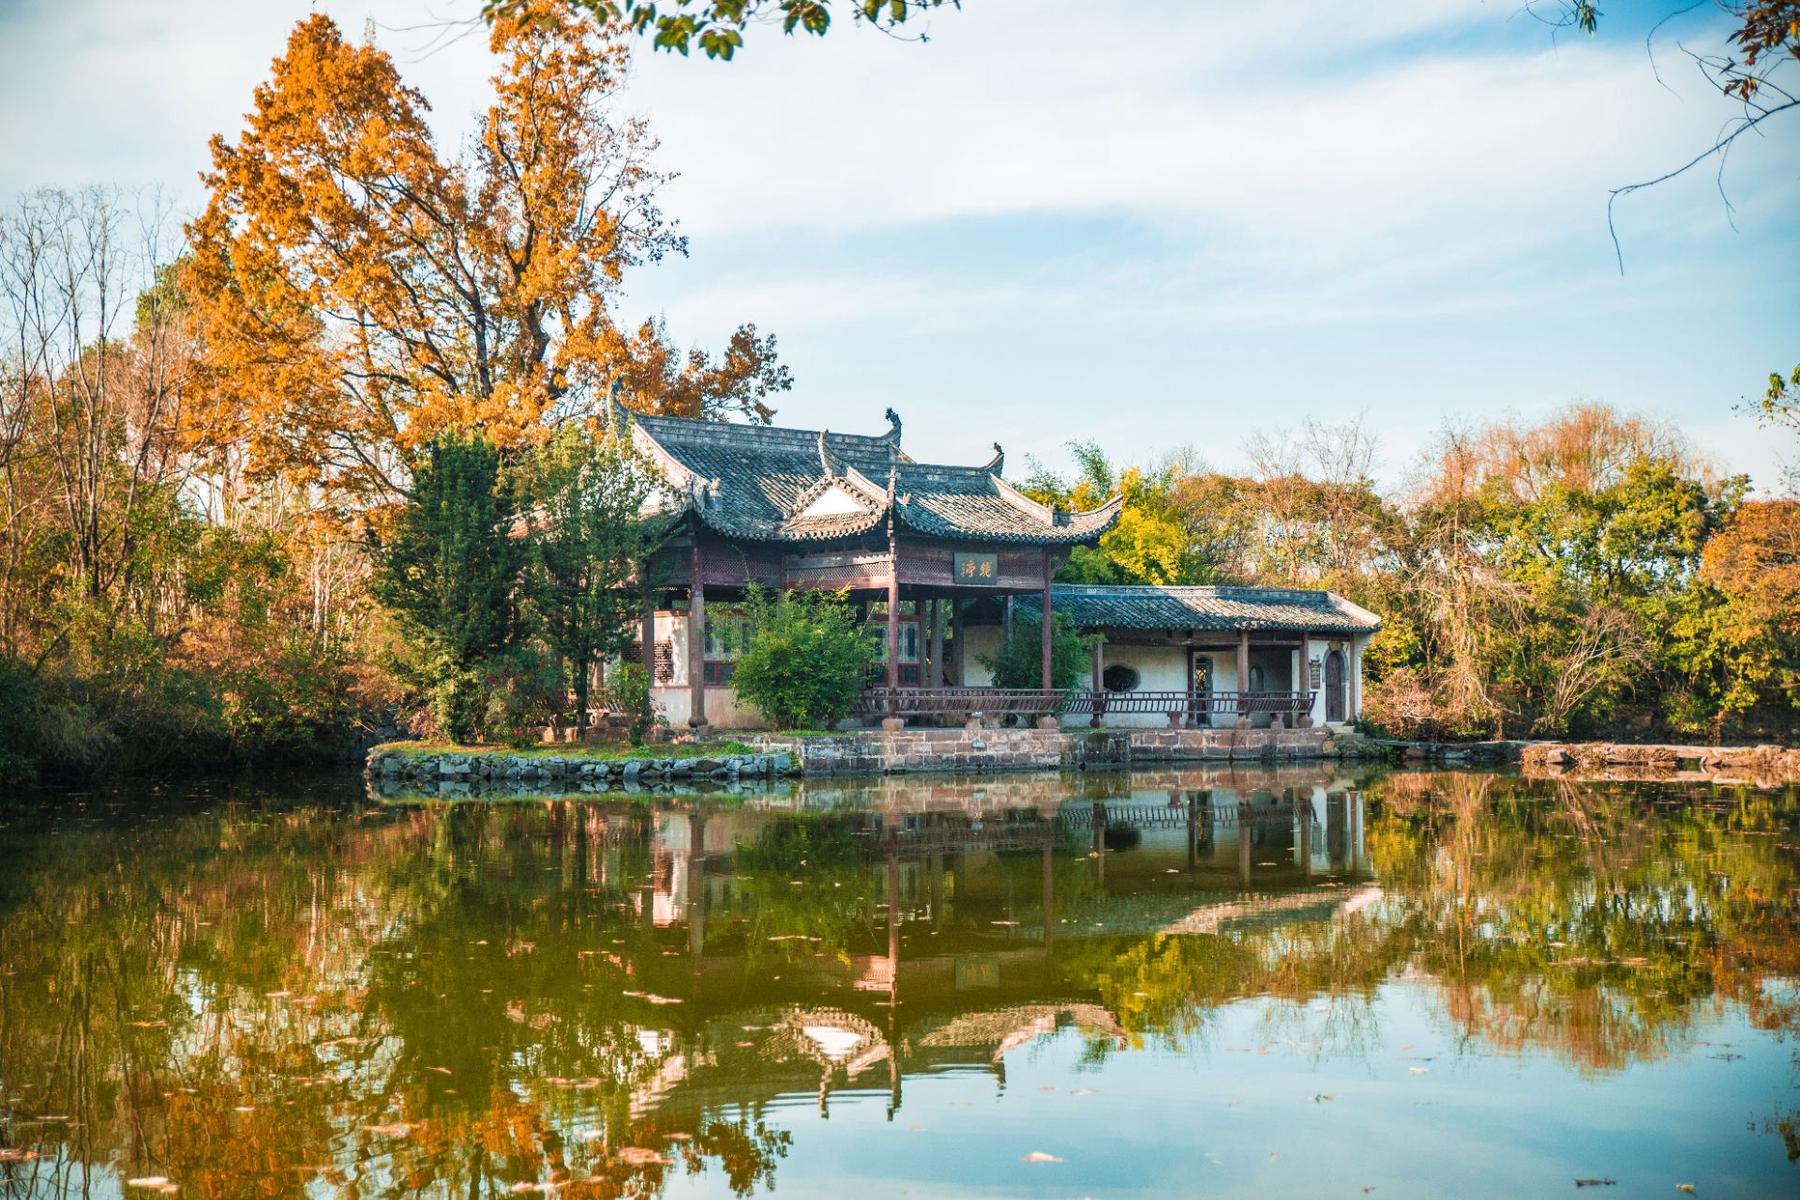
{"x": 1753, "y": 563}
{"x": 357, "y": 291}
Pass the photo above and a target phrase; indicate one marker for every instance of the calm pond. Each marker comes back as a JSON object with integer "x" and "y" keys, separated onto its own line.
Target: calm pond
{"x": 1295, "y": 982}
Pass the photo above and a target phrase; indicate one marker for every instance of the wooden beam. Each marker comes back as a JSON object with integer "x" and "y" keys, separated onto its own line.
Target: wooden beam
{"x": 1044, "y": 612}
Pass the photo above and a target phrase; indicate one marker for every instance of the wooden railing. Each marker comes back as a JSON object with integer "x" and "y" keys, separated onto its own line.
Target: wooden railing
{"x": 1182, "y": 708}
{"x": 1191, "y": 706}
{"x": 960, "y": 701}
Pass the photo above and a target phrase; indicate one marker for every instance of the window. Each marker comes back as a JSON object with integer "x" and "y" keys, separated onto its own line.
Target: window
{"x": 1256, "y": 679}
{"x": 726, "y": 632}
{"x": 1120, "y": 678}
{"x": 909, "y": 641}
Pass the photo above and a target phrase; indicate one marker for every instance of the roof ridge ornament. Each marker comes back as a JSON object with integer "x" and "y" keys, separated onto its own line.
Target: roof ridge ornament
{"x": 893, "y": 434}
{"x": 997, "y": 464}
{"x": 828, "y": 462}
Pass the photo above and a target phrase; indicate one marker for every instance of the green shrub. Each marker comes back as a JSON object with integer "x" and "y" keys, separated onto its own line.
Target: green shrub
{"x": 1019, "y": 662}
{"x": 521, "y": 691}
{"x": 19, "y": 719}
{"x": 630, "y": 687}
{"x": 458, "y": 704}
{"x": 804, "y": 660}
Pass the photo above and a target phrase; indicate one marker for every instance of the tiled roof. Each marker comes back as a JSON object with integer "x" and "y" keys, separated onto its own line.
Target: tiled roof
{"x": 756, "y": 481}
{"x": 1296, "y": 610}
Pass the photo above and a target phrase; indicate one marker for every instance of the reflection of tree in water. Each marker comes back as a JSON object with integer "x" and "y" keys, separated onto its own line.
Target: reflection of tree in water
{"x": 388, "y": 1002}
{"x": 1594, "y": 922}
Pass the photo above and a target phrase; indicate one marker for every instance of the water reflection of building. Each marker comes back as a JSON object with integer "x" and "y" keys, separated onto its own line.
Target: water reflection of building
{"x": 847, "y": 938}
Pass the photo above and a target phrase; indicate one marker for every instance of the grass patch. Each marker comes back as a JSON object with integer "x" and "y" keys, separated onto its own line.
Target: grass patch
{"x": 586, "y": 751}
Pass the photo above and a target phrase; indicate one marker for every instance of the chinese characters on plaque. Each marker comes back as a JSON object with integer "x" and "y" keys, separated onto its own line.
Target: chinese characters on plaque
{"x": 977, "y": 569}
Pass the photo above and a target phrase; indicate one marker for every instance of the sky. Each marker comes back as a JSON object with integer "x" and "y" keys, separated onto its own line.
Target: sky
{"x": 1160, "y": 225}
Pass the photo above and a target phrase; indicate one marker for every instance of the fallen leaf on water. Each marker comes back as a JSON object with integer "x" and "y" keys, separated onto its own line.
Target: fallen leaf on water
{"x": 640, "y": 1156}
{"x": 1685, "y": 1187}
{"x": 1322, "y": 1097}
{"x": 1038, "y": 1156}
{"x": 1417, "y": 1070}
{"x": 446, "y": 1070}
{"x": 1082, "y": 1092}
{"x": 1596, "y": 1183}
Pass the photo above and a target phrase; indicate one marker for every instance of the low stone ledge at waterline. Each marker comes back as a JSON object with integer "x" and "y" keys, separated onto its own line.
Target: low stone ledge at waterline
{"x": 899, "y": 751}
{"x": 868, "y": 752}
{"x": 503, "y": 766}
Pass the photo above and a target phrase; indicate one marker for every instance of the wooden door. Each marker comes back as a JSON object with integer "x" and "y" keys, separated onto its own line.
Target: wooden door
{"x": 1334, "y": 687}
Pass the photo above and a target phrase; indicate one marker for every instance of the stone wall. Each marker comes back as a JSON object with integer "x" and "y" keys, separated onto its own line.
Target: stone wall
{"x": 1237, "y": 745}
{"x": 883, "y": 752}
{"x": 406, "y": 765}
{"x": 1762, "y": 766}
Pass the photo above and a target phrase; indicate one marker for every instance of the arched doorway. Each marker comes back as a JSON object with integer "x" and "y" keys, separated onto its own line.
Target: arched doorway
{"x": 1334, "y": 687}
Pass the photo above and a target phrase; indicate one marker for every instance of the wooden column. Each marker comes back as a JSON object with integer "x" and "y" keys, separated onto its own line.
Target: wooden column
{"x": 696, "y": 639}
{"x": 647, "y": 637}
{"x": 960, "y": 676}
{"x": 937, "y": 644}
{"x": 1099, "y": 717}
{"x": 893, "y": 624}
{"x": 1044, "y": 629}
{"x": 1243, "y": 678}
{"x": 1303, "y": 681}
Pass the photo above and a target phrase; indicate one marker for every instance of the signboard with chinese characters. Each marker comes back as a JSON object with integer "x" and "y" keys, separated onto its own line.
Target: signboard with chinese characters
{"x": 1313, "y": 670}
{"x": 982, "y": 570}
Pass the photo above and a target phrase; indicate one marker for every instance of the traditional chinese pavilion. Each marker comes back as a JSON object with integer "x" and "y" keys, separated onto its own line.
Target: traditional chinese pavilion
{"x": 916, "y": 545}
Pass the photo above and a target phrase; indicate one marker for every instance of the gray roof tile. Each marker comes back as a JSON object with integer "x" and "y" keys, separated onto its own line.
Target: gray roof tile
{"x": 754, "y": 481}
{"x": 1295, "y": 610}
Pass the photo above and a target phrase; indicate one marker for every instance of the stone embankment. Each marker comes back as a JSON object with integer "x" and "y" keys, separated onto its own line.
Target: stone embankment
{"x": 1622, "y": 760}
{"x": 1762, "y": 765}
{"x": 402, "y": 766}
{"x": 984, "y": 748}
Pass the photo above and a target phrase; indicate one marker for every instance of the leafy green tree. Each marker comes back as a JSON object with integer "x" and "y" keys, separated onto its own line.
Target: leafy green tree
{"x": 805, "y": 658}
{"x": 1019, "y": 662}
{"x": 587, "y": 541}
{"x": 448, "y": 569}
{"x": 717, "y": 26}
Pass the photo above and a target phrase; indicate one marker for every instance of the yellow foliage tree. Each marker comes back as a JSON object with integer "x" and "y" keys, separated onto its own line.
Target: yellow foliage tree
{"x": 356, "y": 291}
